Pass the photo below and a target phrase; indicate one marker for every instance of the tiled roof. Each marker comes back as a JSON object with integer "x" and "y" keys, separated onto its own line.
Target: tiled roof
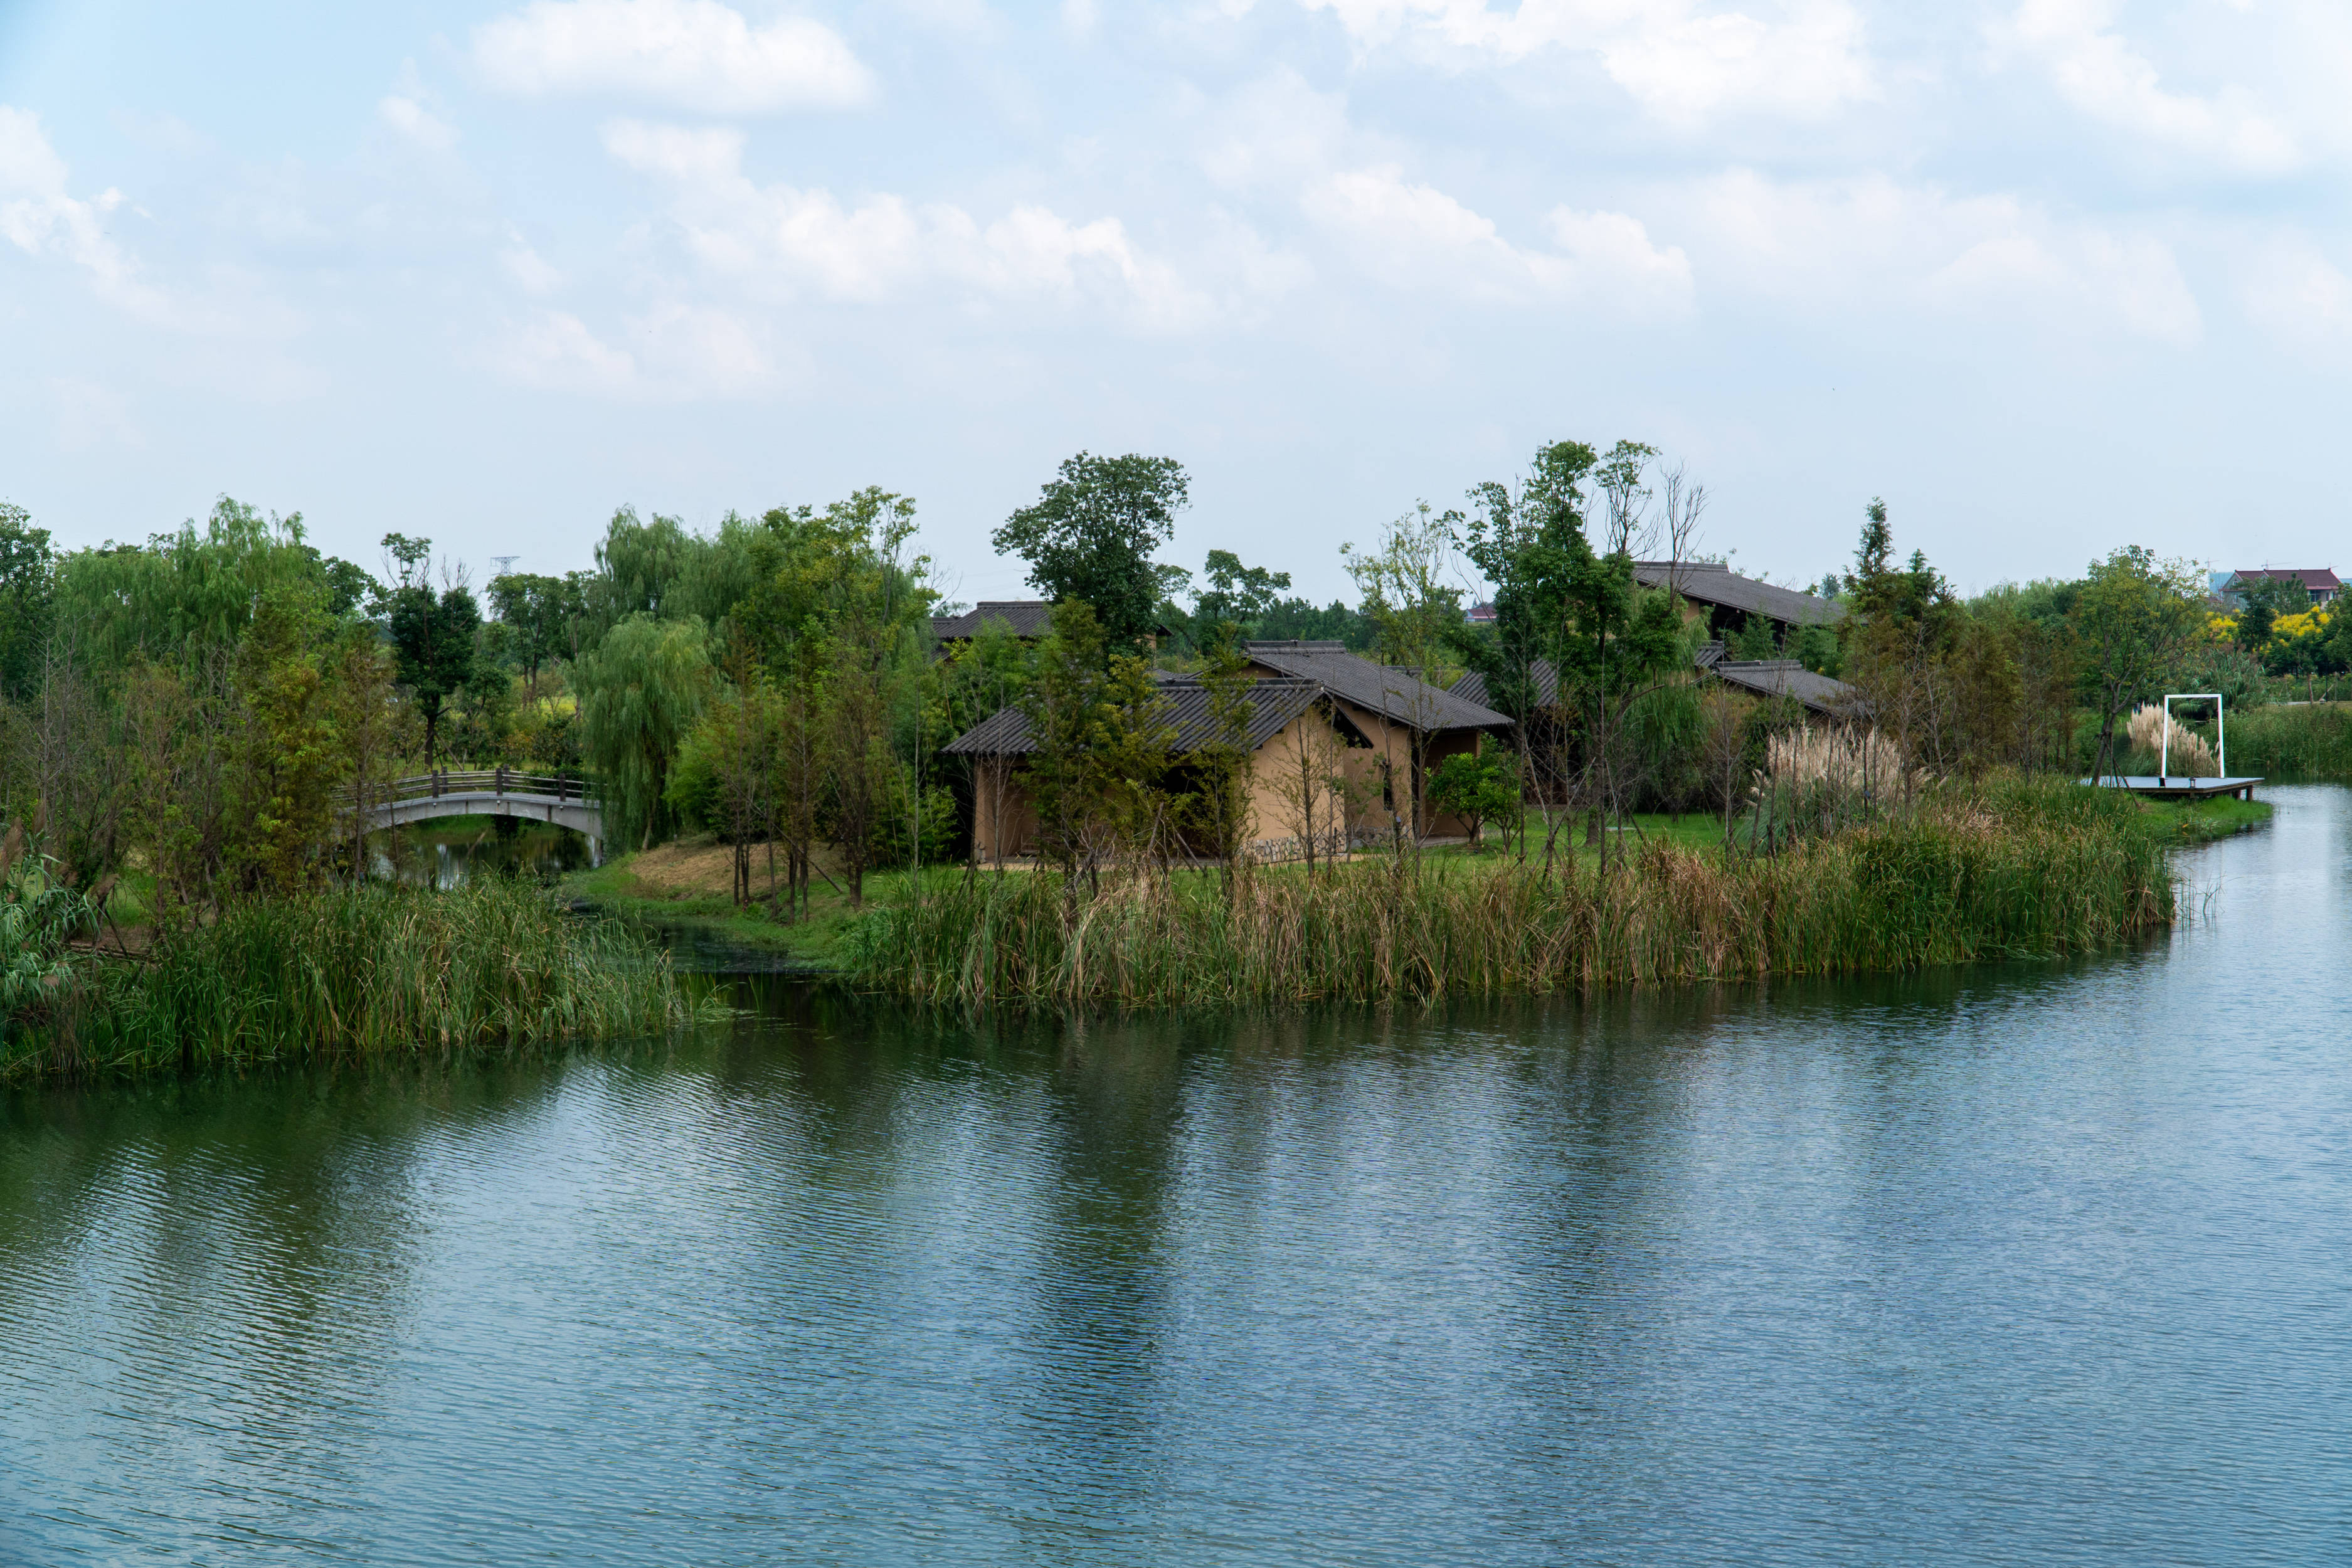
{"x": 1272, "y": 705}
{"x": 1712, "y": 583}
{"x": 1765, "y": 676}
{"x": 1399, "y": 695}
{"x": 2318, "y": 579}
{"x": 1473, "y": 686}
{"x": 1786, "y": 677}
{"x": 1022, "y": 617}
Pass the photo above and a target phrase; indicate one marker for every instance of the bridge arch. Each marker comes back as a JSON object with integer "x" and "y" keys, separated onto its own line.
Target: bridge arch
{"x": 497, "y": 792}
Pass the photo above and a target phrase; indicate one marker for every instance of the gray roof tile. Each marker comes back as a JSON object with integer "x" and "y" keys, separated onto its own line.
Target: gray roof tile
{"x": 1712, "y": 583}
{"x": 1764, "y": 676}
{"x": 1400, "y": 695}
{"x": 1272, "y": 705}
{"x": 1022, "y": 617}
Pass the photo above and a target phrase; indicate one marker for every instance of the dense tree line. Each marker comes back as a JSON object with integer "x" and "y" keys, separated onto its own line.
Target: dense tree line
{"x": 201, "y": 705}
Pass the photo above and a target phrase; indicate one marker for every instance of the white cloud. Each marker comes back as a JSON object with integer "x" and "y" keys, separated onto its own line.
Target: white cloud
{"x": 2098, "y": 72}
{"x": 530, "y": 272}
{"x": 883, "y": 245}
{"x": 676, "y": 352}
{"x": 1278, "y": 130}
{"x": 695, "y": 54}
{"x": 2300, "y": 299}
{"x": 1417, "y": 236}
{"x": 554, "y": 350}
{"x": 1279, "y": 139}
{"x": 40, "y": 218}
{"x": 1688, "y": 70}
{"x": 1684, "y": 64}
{"x": 1612, "y": 250}
{"x": 413, "y": 120}
{"x": 28, "y": 164}
{"x": 1841, "y": 246}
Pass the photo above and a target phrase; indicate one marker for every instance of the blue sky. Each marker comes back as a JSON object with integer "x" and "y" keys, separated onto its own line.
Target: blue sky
{"x": 2049, "y": 275}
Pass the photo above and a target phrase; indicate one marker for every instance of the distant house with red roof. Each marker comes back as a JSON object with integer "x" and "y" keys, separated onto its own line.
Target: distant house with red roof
{"x": 2320, "y": 581}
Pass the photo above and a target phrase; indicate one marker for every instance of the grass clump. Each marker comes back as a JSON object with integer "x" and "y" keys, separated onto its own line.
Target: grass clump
{"x": 2297, "y": 740}
{"x": 2008, "y": 867}
{"x": 363, "y": 971}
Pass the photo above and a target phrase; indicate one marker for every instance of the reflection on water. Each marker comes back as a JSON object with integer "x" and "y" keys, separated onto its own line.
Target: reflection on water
{"x": 446, "y": 857}
{"x": 2042, "y": 1264}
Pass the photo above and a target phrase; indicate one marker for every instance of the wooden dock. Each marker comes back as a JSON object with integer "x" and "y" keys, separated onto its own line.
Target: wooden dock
{"x": 2177, "y": 786}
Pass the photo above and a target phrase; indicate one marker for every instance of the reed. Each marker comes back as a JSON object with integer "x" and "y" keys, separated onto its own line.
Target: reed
{"x": 2183, "y": 753}
{"x": 362, "y": 972}
{"x": 2296, "y": 741}
{"x": 2005, "y": 868}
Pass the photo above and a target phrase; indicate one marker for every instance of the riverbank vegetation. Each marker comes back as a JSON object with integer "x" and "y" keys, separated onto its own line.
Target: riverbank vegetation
{"x": 2005, "y": 867}
{"x": 357, "y": 971}
{"x": 184, "y": 723}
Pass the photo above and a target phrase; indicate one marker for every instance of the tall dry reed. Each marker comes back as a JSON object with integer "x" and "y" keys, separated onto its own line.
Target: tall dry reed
{"x": 2187, "y": 754}
{"x": 1850, "y": 761}
{"x": 2009, "y": 867}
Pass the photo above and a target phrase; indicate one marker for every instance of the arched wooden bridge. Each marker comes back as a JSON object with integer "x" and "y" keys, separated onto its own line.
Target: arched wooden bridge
{"x": 494, "y": 791}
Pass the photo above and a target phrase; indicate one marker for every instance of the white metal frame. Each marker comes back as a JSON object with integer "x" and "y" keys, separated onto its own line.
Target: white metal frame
{"x": 2220, "y": 733}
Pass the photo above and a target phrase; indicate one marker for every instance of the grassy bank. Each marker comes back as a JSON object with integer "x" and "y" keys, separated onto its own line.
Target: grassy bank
{"x": 359, "y": 972}
{"x": 2012, "y": 868}
{"x": 685, "y": 887}
{"x": 2201, "y": 821}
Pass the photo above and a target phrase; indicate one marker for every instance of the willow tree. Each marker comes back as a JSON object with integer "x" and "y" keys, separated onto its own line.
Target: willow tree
{"x": 640, "y": 689}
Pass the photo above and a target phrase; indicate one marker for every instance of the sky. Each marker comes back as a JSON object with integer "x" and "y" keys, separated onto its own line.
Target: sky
{"x": 2050, "y": 276}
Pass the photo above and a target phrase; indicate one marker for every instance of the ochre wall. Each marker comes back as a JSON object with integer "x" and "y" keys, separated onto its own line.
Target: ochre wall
{"x": 996, "y": 786}
{"x": 1274, "y": 772}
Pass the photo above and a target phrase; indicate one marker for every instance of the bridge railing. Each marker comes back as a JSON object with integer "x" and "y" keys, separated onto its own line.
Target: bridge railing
{"x": 478, "y": 780}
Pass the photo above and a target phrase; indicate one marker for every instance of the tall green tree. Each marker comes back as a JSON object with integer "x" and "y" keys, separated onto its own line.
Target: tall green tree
{"x": 434, "y": 640}
{"x": 2263, "y": 604}
{"x": 638, "y": 565}
{"x": 540, "y": 610}
{"x": 1615, "y": 649}
{"x": 2133, "y": 620}
{"x": 1217, "y": 808}
{"x": 1898, "y": 644}
{"x": 287, "y": 757}
{"x": 1063, "y": 702}
{"x": 640, "y": 690}
{"x": 1406, "y": 592}
{"x": 27, "y": 570}
{"x": 1241, "y": 595}
{"x": 184, "y": 596}
{"x": 1090, "y": 536}
{"x": 1414, "y": 610}
{"x": 875, "y": 603}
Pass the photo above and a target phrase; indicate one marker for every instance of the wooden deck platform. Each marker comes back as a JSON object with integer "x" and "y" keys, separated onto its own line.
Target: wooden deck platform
{"x": 2176, "y": 786}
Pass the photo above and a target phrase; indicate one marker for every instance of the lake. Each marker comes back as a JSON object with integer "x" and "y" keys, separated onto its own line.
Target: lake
{"x": 2035, "y": 1263}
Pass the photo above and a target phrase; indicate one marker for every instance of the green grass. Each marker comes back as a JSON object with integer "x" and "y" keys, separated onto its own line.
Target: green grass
{"x": 359, "y": 971}
{"x": 2200, "y": 821}
{"x": 615, "y": 889}
{"x": 2007, "y": 868}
